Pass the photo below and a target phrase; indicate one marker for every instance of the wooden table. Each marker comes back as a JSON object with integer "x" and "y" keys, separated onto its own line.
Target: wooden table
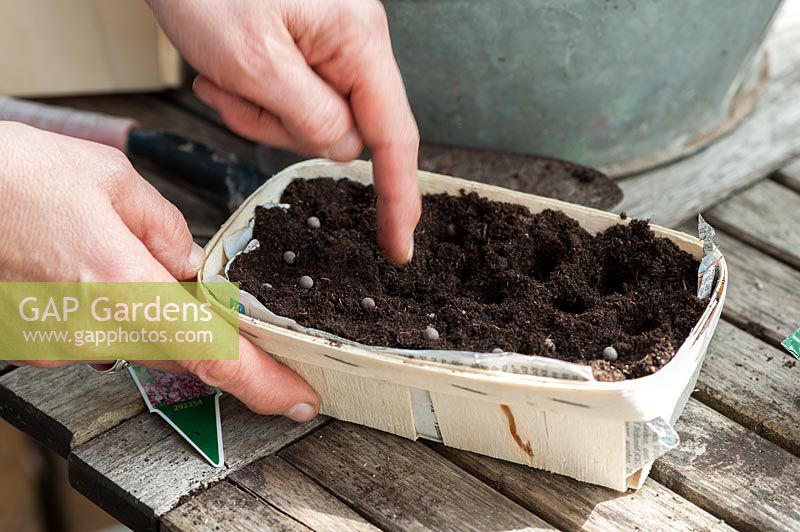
{"x": 738, "y": 464}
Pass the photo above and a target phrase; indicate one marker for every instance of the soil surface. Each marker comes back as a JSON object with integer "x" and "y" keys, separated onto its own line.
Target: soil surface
{"x": 542, "y": 176}
{"x": 485, "y": 275}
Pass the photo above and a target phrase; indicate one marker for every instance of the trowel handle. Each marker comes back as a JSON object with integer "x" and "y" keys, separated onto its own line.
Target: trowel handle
{"x": 97, "y": 127}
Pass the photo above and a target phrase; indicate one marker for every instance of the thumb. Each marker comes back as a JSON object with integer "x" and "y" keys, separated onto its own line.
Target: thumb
{"x": 159, "y": 225}
{"x": 261, "y": 383}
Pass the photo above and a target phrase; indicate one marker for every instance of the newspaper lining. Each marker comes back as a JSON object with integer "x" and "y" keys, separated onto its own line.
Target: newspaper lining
{"x": 647, "y": 440}
{"x": 707, "y": 272}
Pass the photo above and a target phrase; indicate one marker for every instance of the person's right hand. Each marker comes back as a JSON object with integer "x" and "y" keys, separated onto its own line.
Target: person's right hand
{"x": 78, "y": 211}
{"x": 314, "y": 76}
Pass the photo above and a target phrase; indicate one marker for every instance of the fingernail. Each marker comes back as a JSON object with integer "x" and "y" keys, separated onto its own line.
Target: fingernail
{"x": 196, "y": 258}
{"x": 301, "y": 412}
{"x": 410, "y": 252}
{"x": 199, "y": 94}
{"x": 349, "y": 147}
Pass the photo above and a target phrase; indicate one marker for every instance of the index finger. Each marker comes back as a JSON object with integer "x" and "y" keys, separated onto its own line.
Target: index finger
{"x": 384, "y": 118}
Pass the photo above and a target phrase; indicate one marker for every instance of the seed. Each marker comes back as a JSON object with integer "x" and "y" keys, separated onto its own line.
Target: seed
{"x": 497, "y": 350}
{"x": 368, "y": 303}
{"x": 610, "y": 354}
{"x": 266, "y": 285}
{"x": 313, "y": 222}
{"x": 430, "y": 334}
{"x": 306, "y": 282}
{"x": 431, "y": 315}
{"x": 289, "y": 257}
{"x": 549, "y": 344}
{"x": 451, "y": 229}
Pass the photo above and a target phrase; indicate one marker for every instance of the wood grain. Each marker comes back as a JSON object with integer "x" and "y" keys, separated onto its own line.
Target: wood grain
{"x": 789, "y": 175}
{"x": 754, "y": 384}
{"x": 63, "y": 408}
{"x": 143, "y": 468}
{"x": 736, "y": 475}
{"x": 766, "y": 216}
{"x": 762, "y": 296}
{"x": 401, "y": 485}
{"x": 293, "y": 493}
{"x": 226, "y": 507}
{"x": 573, "y": 505}
{"x": 760, "y": 145}
{"x": 783, "y": 40}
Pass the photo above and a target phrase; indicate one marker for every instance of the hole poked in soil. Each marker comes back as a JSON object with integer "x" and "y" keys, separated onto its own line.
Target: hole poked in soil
{"x": 485, "y": 275}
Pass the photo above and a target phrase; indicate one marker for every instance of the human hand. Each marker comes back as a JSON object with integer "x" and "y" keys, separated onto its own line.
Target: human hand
{"x": 313, "y": 76}
{"x": 78, "y": 211}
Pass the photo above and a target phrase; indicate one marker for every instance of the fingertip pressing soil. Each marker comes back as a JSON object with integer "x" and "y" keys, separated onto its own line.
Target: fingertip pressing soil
{"x": 485, "y": 275}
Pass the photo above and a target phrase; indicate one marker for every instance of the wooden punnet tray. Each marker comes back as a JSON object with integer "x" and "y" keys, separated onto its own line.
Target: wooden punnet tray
{"x": 575, "y": 428}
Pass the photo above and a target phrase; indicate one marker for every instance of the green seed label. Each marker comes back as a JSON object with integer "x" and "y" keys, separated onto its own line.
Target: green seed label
{"x": 792, "y": 344}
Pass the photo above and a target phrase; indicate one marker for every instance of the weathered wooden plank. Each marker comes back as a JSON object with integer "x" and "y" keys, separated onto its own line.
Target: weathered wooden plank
{"x": 789, "y": 175}
{"x": 63, "y": 408}
{"x": 754, "y": 384}
{"x": 141, "y": 469}
{"x": 402, "y": 485}
{"x": 736, "y": 475}
{"x": 762, "y": 296}
{"x": 783, "y": 40}
{"x": 766, "y": 216}
{"x": 573, "y": 505}
{"x": 294, "y": 494}
{"x": 760, "y": 145}
{"x": 226, "y": 507}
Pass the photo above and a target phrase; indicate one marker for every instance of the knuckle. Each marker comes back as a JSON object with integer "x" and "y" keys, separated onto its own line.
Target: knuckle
{"x": 254, "y": 61}
{"x": 224, "y": 374}
{"x": 117, "y": 170}
{"x": 324, "y": 124}
{"x": 175, "y": 225}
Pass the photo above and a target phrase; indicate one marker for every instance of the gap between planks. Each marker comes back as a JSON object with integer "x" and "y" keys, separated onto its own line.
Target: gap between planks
{"x": 789, "y": 175}
{"x": 142, "y": 469}
{"x": 765, "y": 216}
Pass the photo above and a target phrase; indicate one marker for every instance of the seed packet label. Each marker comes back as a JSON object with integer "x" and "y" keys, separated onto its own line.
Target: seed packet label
{"x": 189, "y": 405}
{"x": 647, "y": 440}
{"x": 792, "y": 344}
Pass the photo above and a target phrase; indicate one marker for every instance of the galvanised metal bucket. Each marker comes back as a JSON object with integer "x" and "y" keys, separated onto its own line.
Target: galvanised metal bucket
{"x": 621, "y": 84}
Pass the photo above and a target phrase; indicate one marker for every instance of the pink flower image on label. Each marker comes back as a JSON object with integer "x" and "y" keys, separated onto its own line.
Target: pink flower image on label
{"x": 164, "y": 388}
